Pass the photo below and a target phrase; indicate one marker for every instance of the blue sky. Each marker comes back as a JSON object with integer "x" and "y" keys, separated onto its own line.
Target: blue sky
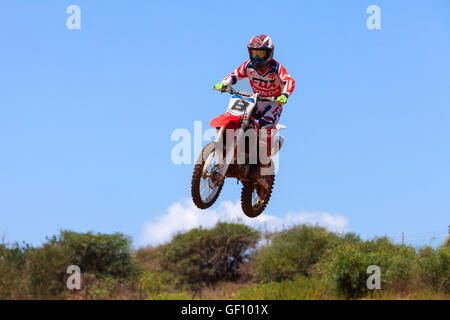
{"x": 86, "y": 115}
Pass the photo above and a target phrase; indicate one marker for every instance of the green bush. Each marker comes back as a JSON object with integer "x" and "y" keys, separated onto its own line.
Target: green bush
{"x": 46, "y": 270}
{"x": 205, "y": 256}
{"x": 101, "y": 254}
{"x": 303, "y": 262}
{"x": 348, "y": 266}
{"x": 108, "y": 258}
{"x": 153, "y": 259}
{"x": 434, "y": 268}
{"x": 13, "y": 283}
{"x": 294, "y": 251}
{"x": 156, "y": 282}
{"x": 301, "y": 288}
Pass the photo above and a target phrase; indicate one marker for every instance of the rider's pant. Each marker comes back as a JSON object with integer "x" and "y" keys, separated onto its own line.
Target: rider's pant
{"x": 268, "y": 114}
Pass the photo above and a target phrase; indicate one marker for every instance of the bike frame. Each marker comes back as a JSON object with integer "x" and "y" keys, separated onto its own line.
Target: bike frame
{"x": 245, "y": 119}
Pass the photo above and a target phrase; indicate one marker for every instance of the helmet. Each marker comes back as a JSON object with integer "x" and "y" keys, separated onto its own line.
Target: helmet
{"x": 260, "y": 49}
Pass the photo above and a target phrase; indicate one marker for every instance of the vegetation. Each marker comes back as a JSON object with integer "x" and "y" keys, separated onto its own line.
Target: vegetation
{"x": 348, "y": 268}
{"x": 225, "y": 262}
{"x": 300, "y": 288}
{"x": 294, "y": 251}
{"x": 106, "y": 263}
{"x": 202, "y": 257}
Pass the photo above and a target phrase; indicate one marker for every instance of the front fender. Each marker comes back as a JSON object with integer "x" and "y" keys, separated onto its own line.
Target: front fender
{"x": 227, "y": 119}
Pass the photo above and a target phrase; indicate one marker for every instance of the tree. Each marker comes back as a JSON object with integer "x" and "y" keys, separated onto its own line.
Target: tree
{"x": 294, "y": 251}
{"x": 13, "y": 283}
{"x": 101, "y": 254}
{"x": 203, "y": 257}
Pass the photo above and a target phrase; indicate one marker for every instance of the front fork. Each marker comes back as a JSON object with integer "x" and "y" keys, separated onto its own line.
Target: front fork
{"x": 219, "y": 145}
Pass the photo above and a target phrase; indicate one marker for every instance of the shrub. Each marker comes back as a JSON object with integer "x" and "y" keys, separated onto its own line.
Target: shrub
{"x": 153, "y": 283}
{"x": 101, "y": 254}
{"x": 13, "y": 283}
{"x": 153, "y": 259}
{"x": 105, "y": 261}
{"x": 202, "y": 257}
{"x": 294, "y": 251}
{"x": 348, "y": 267}
{"x": 46, "y": 270}
{"x": 434, "y": 268}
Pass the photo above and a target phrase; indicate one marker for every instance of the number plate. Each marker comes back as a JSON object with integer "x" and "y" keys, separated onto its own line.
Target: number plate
{"x": 240, "y": 105}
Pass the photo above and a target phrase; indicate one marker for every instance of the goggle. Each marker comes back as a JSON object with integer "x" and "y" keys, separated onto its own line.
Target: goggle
{"x": 261, "y": 54}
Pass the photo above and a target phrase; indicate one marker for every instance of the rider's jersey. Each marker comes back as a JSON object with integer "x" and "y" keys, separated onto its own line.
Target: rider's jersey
{"x": 271, "y": 81}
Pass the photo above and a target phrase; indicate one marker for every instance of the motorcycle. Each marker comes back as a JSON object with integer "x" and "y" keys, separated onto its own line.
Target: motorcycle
{"x": 237, "y": 152}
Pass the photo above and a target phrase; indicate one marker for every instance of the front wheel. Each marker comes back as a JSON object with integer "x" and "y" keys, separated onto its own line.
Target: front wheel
{"x": 256, "y": 194}
{"x": 206, "y": 181}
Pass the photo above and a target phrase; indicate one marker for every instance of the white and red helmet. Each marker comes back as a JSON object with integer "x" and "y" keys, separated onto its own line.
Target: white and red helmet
{"x": 260, "y": 49}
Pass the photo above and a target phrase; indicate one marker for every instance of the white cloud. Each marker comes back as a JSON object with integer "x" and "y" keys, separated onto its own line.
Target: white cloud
{"x": 184, "y": 215}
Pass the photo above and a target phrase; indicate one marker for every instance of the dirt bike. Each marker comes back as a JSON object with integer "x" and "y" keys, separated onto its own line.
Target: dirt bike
{"x": 231, "y": 156}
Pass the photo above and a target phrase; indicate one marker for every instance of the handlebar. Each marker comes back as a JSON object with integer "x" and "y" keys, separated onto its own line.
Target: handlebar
{"x": 230, "y": 90}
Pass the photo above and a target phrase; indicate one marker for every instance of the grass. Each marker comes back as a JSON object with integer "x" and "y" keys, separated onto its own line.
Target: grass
{"x": 301, "y": 288}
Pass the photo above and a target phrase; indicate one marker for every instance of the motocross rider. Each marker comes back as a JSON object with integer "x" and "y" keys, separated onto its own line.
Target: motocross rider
{"x": 268, "y": 78}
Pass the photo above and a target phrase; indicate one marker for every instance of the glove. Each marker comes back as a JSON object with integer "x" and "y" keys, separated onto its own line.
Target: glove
{"x": 220, "y": 85}
{"x": 282, "y": 99}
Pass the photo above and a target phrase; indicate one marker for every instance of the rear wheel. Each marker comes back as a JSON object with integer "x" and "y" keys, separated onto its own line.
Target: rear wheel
{"x": 256, "y": 194}
{"x": 206, "y": 181}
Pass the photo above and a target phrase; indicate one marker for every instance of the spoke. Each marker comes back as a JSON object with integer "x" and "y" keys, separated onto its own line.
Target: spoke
{"x": 258, "y": 196}
{"x": 208, "y": 188}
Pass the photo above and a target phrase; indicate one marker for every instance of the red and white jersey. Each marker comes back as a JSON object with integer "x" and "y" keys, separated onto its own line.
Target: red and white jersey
{"x": 271, "y": 81}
